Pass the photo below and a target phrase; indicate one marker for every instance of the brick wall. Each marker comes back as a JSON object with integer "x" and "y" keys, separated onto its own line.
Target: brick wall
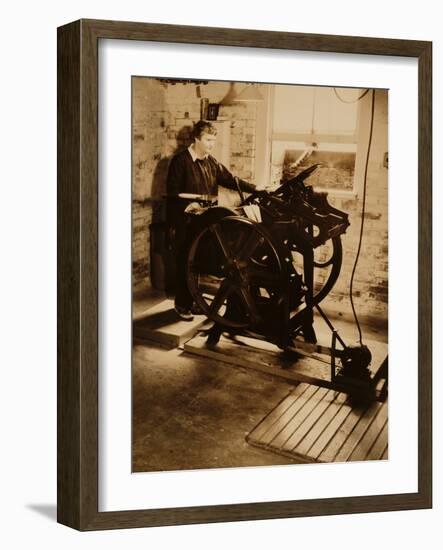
{"x": 370, "y": 288}
{"x": 149, "y": 126}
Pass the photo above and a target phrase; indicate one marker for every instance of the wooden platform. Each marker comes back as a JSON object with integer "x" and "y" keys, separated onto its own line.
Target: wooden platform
{"x": 161, "y": 324}
{"x": 315, "y": 424}
{"x": 265, "y": 357}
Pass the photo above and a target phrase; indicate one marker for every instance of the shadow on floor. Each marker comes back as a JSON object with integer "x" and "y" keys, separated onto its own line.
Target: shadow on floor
{"x": 48, "y": 511}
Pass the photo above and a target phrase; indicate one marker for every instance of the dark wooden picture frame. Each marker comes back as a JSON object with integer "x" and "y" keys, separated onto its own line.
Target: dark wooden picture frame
{"x": 77, "y": 173}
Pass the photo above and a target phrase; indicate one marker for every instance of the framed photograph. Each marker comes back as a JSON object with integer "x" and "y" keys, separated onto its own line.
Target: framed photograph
{"x": 244, "y": 233}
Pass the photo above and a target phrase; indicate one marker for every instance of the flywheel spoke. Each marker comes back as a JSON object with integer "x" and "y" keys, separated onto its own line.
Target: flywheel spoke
{"x": 226, "y": 288}
{"x": 249, "y": 246}
{"x": 215, "y": 228}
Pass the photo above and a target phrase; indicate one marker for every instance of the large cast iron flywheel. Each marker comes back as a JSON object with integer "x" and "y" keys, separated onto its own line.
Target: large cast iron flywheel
{"x": 238, "y": 275}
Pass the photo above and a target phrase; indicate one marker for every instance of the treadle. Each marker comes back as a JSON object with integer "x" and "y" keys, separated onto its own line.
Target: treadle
{"x": 161, "y": 324}
{"x": 315, "y": 424}
{"x": 265, "y": 357}
{"x": 260, "y": 356}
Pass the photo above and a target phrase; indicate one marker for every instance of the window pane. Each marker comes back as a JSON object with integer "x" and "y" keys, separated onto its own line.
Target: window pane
{"x": 306, "y": 109}
{"x": 293, "y": 109}
{"x": 332, "y": 115}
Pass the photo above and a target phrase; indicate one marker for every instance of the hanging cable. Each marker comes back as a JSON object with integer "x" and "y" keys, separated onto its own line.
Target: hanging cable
{"x": 313, "y": 111}
{"x": 361, "y": 96}
{"x": 371, "y": 127}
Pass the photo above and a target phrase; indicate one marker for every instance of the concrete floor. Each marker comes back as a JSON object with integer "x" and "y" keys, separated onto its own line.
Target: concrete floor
{"x": 190, "y": 412}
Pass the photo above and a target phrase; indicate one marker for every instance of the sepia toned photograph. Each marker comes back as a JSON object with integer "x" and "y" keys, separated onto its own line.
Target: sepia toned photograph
{"x": 259, "y": 274}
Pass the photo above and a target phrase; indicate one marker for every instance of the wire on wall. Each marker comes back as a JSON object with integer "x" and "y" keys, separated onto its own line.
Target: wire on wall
{"x": 371, "y": 127}
{"x": 361, "y": 96}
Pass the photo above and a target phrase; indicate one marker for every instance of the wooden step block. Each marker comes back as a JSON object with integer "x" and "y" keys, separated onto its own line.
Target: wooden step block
{"x": 161, "y": 324}
{"x": 319, "y": 425}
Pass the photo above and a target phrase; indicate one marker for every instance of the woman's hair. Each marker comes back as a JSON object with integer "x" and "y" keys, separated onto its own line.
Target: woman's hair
{"x": 203, "y": 127}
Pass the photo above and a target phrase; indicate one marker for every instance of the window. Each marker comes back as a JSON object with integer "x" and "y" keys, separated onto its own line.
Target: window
{"x": 315, "y": 125}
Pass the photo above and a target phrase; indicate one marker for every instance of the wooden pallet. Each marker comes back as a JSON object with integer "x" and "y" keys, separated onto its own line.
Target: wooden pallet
{"x": 314, "y": 424}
